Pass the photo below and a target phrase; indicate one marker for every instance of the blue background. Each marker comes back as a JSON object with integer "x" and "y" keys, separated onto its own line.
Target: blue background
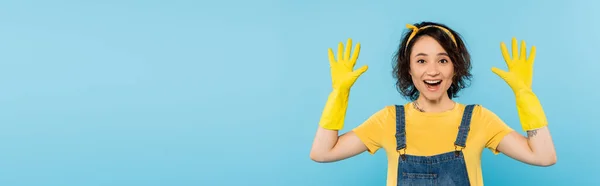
{"x": 230, "y": 93}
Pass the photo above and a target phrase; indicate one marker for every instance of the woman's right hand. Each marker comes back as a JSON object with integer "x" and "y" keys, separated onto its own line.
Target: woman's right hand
{"x": 342, "y": 74}
{"x": 343, "y": 77}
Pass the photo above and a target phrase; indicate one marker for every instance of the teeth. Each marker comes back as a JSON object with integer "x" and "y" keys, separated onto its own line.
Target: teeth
{"x": 432, "y": 81}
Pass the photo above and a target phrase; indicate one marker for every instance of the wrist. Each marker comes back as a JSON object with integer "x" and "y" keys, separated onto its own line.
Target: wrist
{"x": 340, "y": 91}
{"x": 335, "y": 110}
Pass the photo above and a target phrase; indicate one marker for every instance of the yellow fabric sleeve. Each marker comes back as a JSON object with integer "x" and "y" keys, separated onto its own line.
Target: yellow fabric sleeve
{"x": 371, "y": 131}
{"x": 495, "y": 129}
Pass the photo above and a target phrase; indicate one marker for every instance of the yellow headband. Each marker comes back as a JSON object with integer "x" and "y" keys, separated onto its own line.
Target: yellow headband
{"x": 415, "y": 30}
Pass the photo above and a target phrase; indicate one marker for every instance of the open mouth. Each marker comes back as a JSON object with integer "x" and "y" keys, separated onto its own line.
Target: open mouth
{"x": 432, "y": 85}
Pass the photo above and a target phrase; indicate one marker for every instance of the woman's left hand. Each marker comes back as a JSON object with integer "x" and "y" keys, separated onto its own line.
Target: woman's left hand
{"x": 518, "y": 77}
{"x": 520, "y": 67}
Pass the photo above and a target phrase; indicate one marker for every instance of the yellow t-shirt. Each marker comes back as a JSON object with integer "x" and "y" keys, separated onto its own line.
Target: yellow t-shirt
{"x": 433, "y": 133}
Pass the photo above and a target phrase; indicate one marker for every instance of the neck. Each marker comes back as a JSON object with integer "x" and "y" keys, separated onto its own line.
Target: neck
{"x": 436, "y": 105}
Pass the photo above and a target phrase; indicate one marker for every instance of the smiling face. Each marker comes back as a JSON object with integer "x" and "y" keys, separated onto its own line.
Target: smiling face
{"x": 431, "y": 69}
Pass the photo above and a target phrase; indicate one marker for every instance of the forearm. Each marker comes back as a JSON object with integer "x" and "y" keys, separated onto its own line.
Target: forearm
{"x": 533, "y": 119}
{"x": 331, "y": 121}
{"x": 542, "y": 147}
{"x": 328, "y": 145}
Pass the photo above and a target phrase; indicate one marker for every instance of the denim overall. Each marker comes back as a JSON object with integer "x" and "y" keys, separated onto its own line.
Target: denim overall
{"x": 442, "y": 169}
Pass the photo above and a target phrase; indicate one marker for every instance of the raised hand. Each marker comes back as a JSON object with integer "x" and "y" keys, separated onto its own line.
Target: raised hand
{"x": 520, "y": 67}
{"x": 343, "y": 77}
{"x": 519, "y": 77}
{"x": 343, "y": 74}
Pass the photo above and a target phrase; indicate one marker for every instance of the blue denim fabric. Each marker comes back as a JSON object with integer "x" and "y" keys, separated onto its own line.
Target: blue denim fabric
{"x": 442, "y": 169}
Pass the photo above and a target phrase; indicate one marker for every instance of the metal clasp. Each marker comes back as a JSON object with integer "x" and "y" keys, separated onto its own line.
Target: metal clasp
{"x": 457, "y": 150}
{"x": 402, "y": 155}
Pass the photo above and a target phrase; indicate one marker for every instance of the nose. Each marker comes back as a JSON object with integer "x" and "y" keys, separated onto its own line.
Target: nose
{"x": 432, "y": 70}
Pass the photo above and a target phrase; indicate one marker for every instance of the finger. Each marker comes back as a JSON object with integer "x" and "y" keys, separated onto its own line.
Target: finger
{"x": 348, "y": 50}
{"x": 515, "y": 48}
{"x": 503, "y": 74}
{"x": 505, "y": 54}
{"x": 340, "y": 51}
{"x": 360, "y": 71}
{"x": 331, "y": 58}
{"x": 531, "y": 58}
{"x": 355, "y": 55}
{"x": 523, "y": 51}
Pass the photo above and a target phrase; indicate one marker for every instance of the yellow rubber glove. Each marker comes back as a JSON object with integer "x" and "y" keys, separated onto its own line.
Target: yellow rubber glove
{"x": 343, "y": 77}
{"x": 519, "y": 77}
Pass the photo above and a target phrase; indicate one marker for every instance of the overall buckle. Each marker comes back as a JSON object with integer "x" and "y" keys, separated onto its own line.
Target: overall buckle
{"x": 457, "y": 150}
{"x": 402, "y": 155}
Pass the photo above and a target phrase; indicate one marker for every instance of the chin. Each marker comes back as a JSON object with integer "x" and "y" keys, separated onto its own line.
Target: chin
{"x": 436, "y": 92}
{"x": 433, "y": 96}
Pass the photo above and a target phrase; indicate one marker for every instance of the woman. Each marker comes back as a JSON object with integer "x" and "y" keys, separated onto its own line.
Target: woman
{"x": 434, "y": 140}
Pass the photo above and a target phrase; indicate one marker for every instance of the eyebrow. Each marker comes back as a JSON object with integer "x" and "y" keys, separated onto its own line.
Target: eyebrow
{"x": 439, "y": 54}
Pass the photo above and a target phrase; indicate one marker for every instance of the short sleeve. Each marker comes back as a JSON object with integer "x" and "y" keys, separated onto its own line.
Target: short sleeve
{"x": 370, "y": 131}
{"x": 496, "y": 129}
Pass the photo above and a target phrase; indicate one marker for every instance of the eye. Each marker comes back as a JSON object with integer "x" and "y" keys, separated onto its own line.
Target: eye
{"x": 444, "y": 61}
{"x": 420, "y": 61}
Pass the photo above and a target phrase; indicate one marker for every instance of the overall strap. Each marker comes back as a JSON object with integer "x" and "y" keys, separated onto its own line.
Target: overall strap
{"x": 400, "y": 131}
{"x": 463, "y": 130}
{"x": 400, "y": 128}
